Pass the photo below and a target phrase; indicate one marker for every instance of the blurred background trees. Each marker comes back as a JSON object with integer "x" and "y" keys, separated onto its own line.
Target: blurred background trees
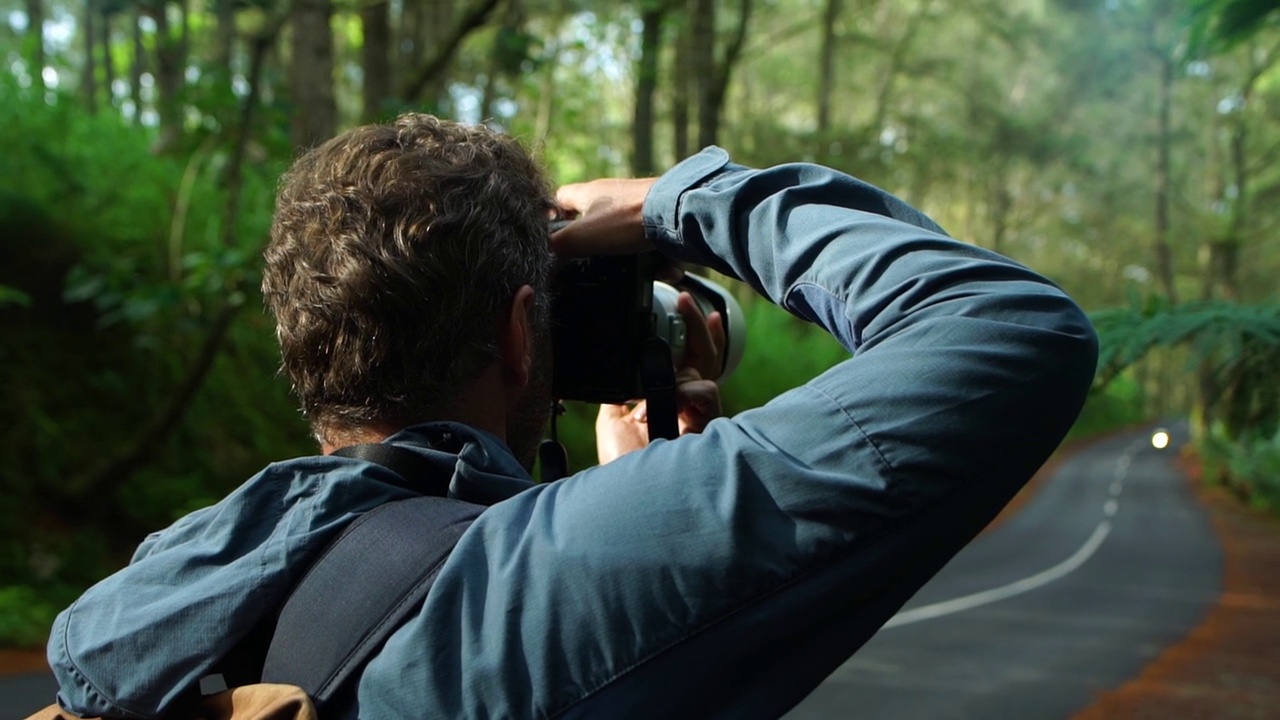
{"x": 1125, "y": 148}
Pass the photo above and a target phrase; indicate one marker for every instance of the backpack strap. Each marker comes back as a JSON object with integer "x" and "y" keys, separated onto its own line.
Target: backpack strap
{"x": 363, "y": 588}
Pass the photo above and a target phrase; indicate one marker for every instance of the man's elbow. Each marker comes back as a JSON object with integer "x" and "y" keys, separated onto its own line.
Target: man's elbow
{"x": 1073, "y": 361}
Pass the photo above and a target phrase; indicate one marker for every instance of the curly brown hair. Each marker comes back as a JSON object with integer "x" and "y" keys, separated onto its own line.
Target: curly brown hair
{"x": 393, "y": 250}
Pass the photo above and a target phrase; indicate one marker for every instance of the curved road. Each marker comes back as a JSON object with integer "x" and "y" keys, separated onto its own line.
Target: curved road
{"x": 1109, "y": 563}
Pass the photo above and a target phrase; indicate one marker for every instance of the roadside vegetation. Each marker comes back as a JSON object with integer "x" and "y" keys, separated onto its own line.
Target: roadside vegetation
{"x": 1126, "y": 150}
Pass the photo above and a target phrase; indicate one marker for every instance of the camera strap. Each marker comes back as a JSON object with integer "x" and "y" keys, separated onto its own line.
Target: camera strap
{"x": 658, "y": 380}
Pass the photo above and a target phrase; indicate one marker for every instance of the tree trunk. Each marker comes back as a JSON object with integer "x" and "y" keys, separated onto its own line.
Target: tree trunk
{"x": 499, "y": 57}
{"x": 826, "y": 74}
{"x": 225, "y": 39}
{"x": 1000, "y": 203}
{"x": 547, "y": 81}
{"x": 428, "y": 81}
{"x": 315, "y": 113}
{"x": 897, "y": 58}
{"x": 375, "y": 19}
{"x": 408, "y": 48}
{"x": 170, "y": 61}
{"x": 703, "y": 66}
{"x": 88, "y": 78}
{"x": 35, "y": 41}
{"x": 711, "y": 78}
{"x": 642, "y": 160}
{"x": 681, "y": 81}
{"x": 724, "y": 72}
{"x": 108, "y": 65}
{"x": 1164, "y": 254}
{"x": 138, "y": 65}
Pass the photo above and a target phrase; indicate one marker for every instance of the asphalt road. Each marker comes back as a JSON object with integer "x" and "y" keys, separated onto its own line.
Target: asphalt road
{"x": 1110, "y": 562}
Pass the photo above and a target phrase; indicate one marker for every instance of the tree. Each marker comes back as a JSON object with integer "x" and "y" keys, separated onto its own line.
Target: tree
{"x": 35, "y": 40}
{"x": 429, "y": 70}
{"x": 826, "y": 71}
{"x": 712, "y": 74}
{"x": 315, "y": 115}
{"x": 88, "y": 74}
{"x": 171, "y": 52}
{"x": 651, "y": 15}
{"x": 375, "y": 58}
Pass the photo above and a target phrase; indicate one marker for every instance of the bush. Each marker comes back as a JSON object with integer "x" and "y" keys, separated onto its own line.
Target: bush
{"x": 1120, "y": 403}
{"x": 1249, "y": 466}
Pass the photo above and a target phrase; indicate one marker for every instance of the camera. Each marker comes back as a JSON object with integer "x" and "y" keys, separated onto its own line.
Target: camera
{"x": 615, "y": 330}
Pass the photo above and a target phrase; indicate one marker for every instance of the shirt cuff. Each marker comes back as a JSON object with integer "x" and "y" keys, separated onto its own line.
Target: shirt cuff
{"x": 662, "y": 205}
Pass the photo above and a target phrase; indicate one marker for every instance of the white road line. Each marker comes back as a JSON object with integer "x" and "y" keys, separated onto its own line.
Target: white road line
{"x": 986, "y": 597}
{"x": 1040, "y": 579}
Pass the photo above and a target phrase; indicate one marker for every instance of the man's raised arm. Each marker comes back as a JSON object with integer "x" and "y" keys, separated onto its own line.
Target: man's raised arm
{"x": 727, "y": 573}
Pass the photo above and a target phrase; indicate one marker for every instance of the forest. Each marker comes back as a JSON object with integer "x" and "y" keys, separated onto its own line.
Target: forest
{"x": 1127, "y": 149}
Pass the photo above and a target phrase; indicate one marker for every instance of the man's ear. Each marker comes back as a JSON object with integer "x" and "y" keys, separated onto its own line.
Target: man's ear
{"x": 515, "y": 338}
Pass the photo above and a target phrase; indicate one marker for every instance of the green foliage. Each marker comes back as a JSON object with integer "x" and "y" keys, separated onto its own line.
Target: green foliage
{"x": 1120, "y": 403}
{"x": 1230, "y": 21}
{"x": 26, "y": 614}
{"x": 114, "y": 264}
{"x": 782, "y": 352}
{"x": 1234, "y": 353}
{"x": 1234, "y": 357}
{"x": 1249, "y": 466}
{"x": 13, "y": 296}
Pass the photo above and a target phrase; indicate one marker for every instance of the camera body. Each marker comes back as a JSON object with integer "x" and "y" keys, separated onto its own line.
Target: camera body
{"x": 609, "y": 316}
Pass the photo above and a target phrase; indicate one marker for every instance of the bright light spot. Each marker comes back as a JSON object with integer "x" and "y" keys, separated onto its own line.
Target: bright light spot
{"x": 1136, "y": 273}
{"x": 150, "y": 118}
{"x": 239, "y": 86}
{"x": 1198, "y": 68}
{"x": 147, "y": 23}
{"x": 888, "y": 136}
{"x": 119, "y": 87}
{"x": 147, "y": 80}
{"x": 466, "y": 103}
{"x": 505, "y": 107}
{"x": 192, "y": 74}
{"x": 59, "y": 32}
{"x": 50, "y": 77}
{"x": 1160, "y": 440}
{"x": 18, "y": 21}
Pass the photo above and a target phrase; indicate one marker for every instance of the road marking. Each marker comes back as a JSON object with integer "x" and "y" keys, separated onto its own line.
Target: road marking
{"x": 1040, "y": 579}
{"x": 986, "y": 597}
{"x": 1122, "y": 466}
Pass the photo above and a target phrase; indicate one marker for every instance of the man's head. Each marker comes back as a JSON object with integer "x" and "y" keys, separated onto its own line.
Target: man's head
{"x": 396, "y": 252}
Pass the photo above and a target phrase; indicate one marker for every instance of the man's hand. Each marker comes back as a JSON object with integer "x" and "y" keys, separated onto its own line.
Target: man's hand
{"x": 607, "y": 215}
{"x": 621, "y": 429}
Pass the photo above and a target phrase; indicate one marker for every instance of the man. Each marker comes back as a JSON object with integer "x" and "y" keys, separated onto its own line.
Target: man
{"x": 724, "y": 573}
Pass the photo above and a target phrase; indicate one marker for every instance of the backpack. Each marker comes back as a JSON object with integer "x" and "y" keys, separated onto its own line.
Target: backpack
{"x": 357, "y": 593}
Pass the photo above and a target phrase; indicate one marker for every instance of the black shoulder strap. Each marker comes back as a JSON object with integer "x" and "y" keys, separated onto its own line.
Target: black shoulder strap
{"x": 367, "y": 583}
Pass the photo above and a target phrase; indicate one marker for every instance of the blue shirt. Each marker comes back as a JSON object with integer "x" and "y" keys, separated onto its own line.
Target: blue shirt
{"x": 719, "y": 575}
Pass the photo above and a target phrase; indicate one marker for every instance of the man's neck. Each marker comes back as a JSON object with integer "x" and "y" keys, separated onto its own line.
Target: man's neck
{"x": 481, "y": 404}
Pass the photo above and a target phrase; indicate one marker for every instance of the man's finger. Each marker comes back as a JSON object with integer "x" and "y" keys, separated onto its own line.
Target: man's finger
{"x": 701, "y": 350}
